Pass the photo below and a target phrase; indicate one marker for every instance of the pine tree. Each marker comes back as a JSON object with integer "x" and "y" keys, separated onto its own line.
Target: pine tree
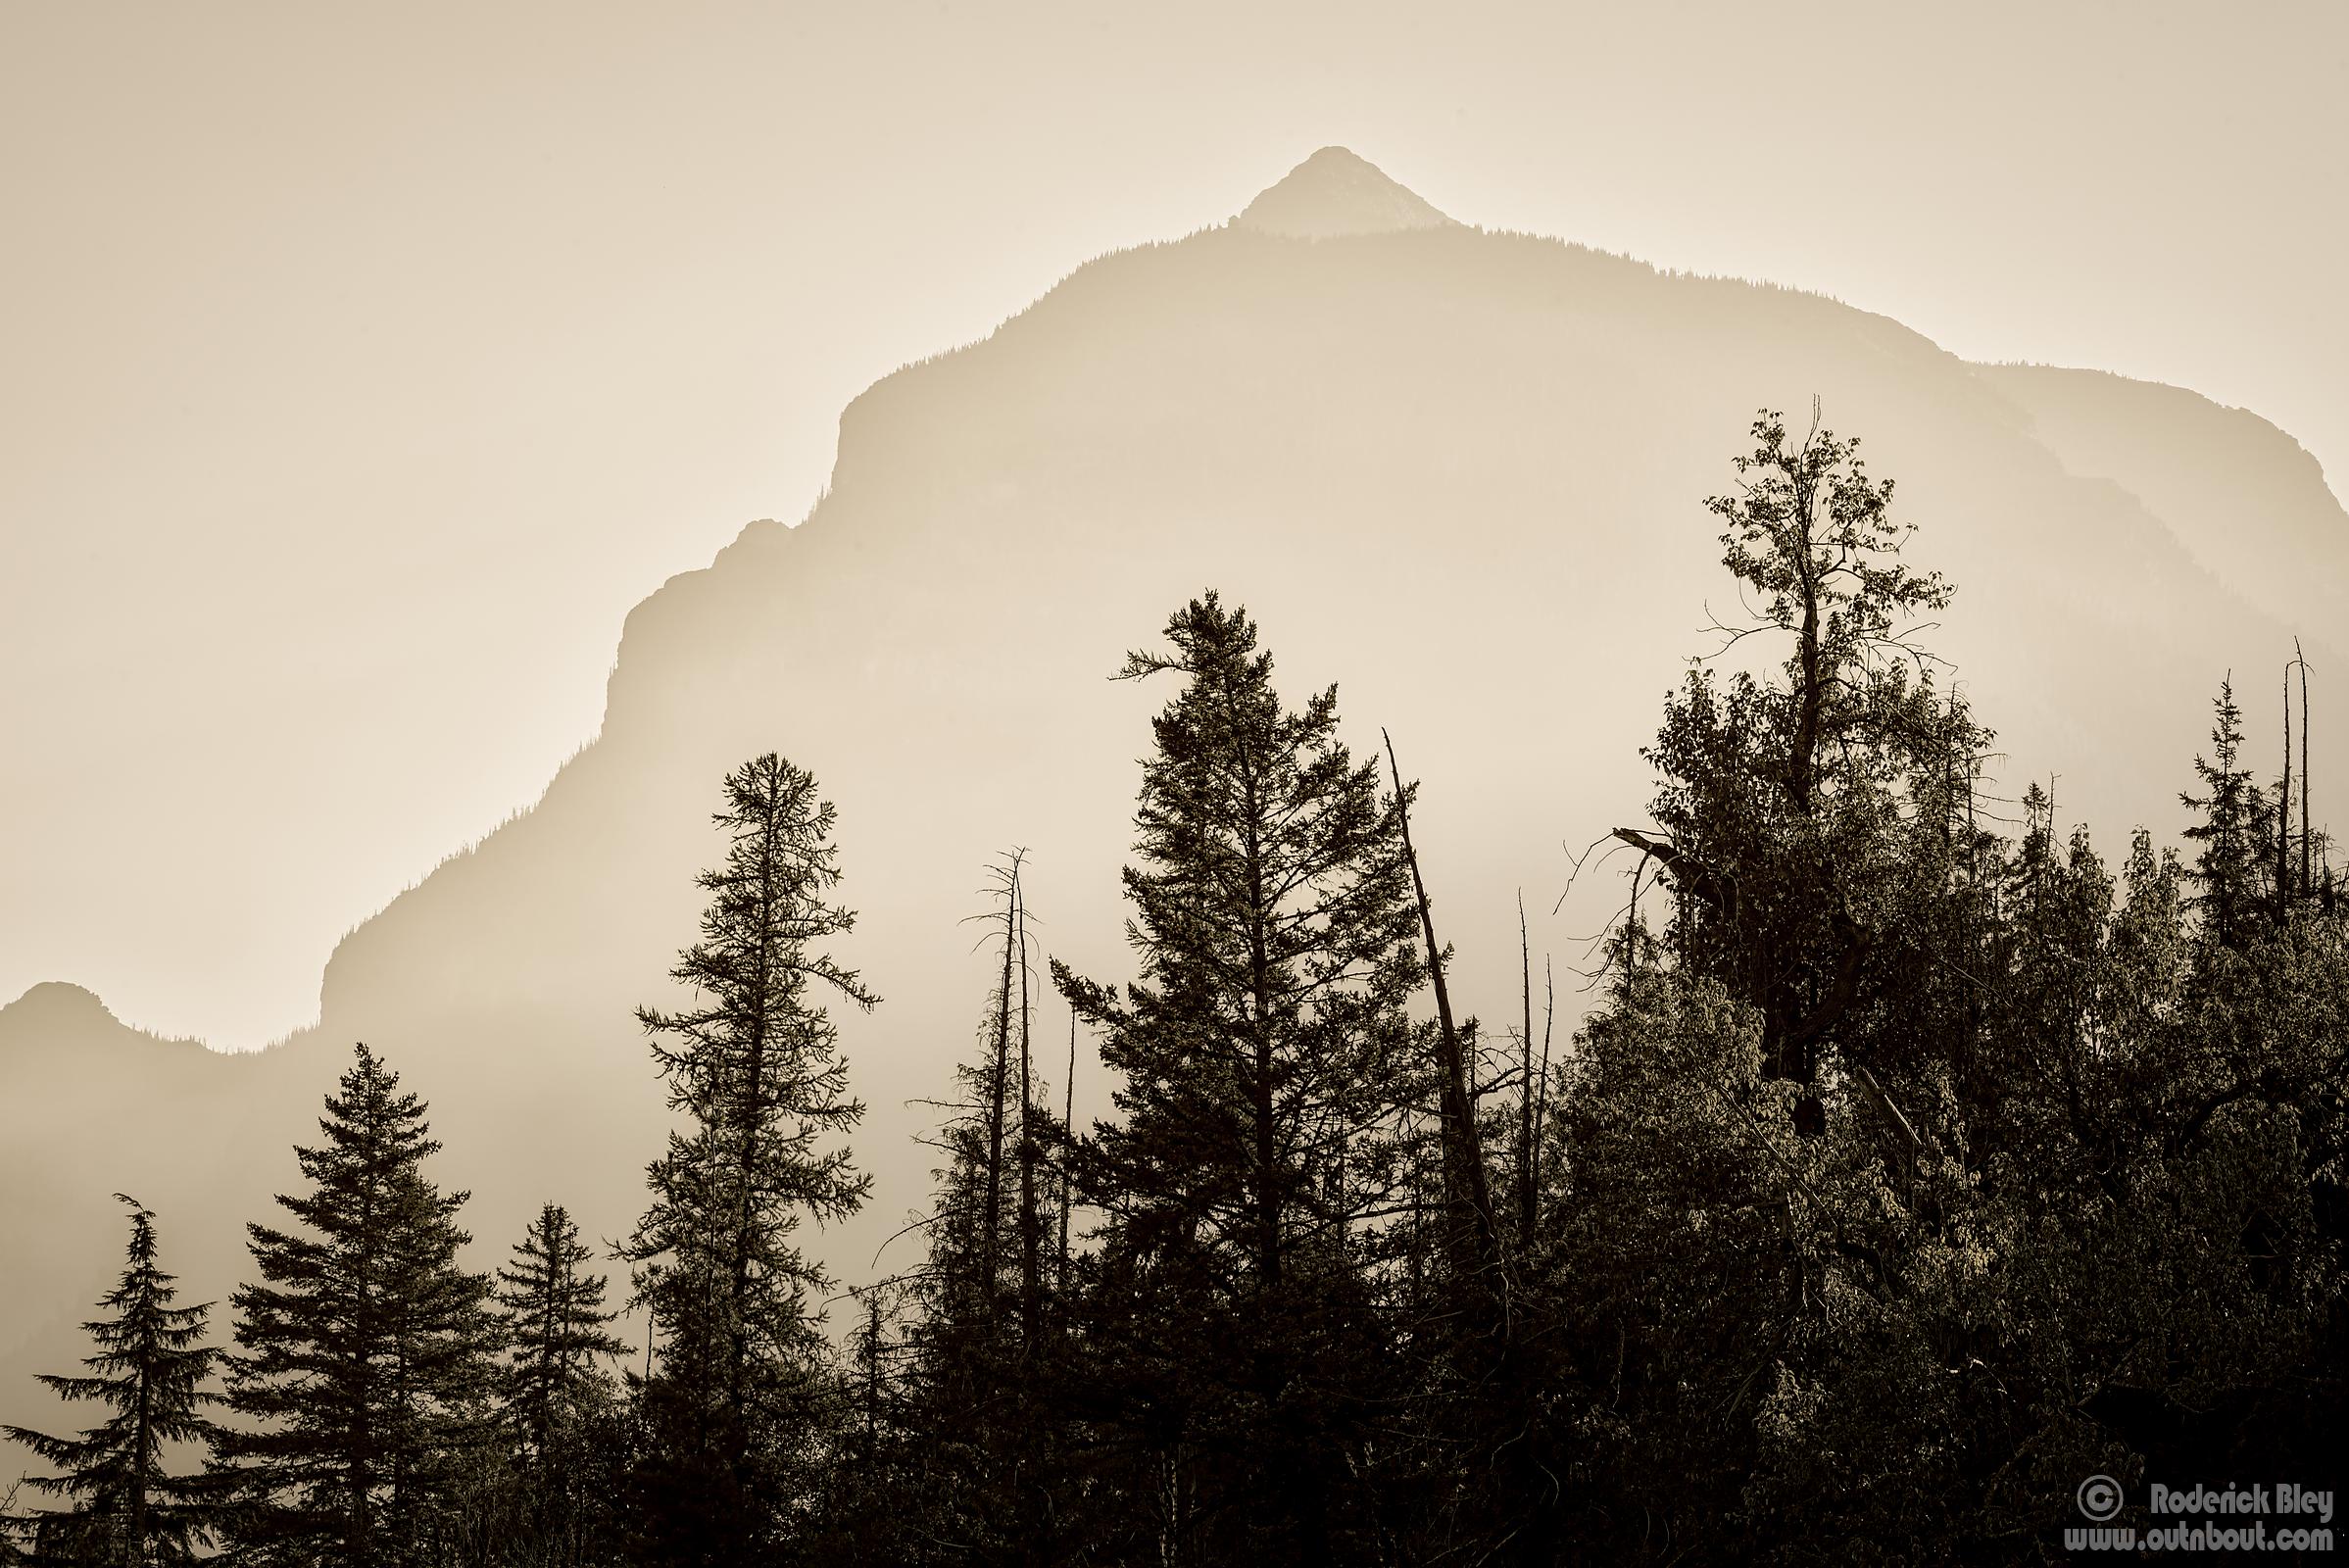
{"x": 364, "y": 1354}
{"x": 150, "y": 1368}
{"x": 732, "y": 1405}
{"x": 2232, "y": 810}
{"x": 556, "y": 1399}
{"x": 554, "y": 1331}
{"x": 1263, "y": 1052}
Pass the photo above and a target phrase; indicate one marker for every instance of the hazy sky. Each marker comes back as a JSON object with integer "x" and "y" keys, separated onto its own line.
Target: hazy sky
{"x": 361, "y": 367}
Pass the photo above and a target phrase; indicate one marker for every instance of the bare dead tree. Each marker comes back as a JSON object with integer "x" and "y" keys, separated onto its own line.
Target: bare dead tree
{"x": 2308, "y": 829}
{"x": 998, "y": 1066}
{"x": 2283, "y": 804}
{"x": 1031, "y": 1279}
{"x": 2308, "y": 822}
{"x": 1549, "y": 1013}
{"x": 1068, "y": 1124}
{"x": 1464, "y": 1157}
{"x": 1526, "y": 1085}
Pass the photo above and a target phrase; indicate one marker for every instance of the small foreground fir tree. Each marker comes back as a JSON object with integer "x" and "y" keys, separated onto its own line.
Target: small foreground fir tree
{"x": 150, "y": 1368}
{"x": 2230, "y": 811}
{"x": 364, "y": 1360}
{"x": 556, "y": 1331}
{"x": 557, "y": 1399}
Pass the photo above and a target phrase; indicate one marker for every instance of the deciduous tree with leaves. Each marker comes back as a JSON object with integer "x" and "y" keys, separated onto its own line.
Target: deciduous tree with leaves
{"x": 1788, "y": 805}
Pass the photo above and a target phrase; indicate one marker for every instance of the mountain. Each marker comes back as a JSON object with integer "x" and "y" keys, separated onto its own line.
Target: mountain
{"x": 2248, "y": 503}
{"x": 90, "y": 1106}
{"x": 1460, "y": 473}
{"x": 1333, "y": 194}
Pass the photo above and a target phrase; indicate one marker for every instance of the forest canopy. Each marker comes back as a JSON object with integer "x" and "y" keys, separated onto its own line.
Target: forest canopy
{"x": 1916, "y": 1165}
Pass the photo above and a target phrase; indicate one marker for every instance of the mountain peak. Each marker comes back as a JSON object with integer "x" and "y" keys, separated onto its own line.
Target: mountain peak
{"x": 1334, "y": 192}
{"x": 51, "y": 1012}
{"x": 56, "y": 999}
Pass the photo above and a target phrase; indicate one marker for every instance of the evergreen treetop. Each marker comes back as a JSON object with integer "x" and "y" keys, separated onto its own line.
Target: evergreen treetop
{"x": 362, "y": 1358}
{"x": 2232, "y": 810}
{"x": 1274, "y": 923}
{"x": 555, "y": 1328}
{"x": 755, "y": 1067}
{"x": 150, "y": 1367}
{"x": 1266, "y": 1063}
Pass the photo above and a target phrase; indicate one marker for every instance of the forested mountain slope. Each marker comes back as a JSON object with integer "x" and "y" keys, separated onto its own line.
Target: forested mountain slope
{"x": 1461, "y": 473}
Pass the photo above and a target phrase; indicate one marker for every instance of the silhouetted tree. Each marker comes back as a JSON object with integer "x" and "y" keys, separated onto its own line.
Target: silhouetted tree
{"x": 1533, "y": 1088}
{"x": 1901, "y": 1177}
{"x": 150, "y": 1367}
{"x": 2231, "y": 807}
{"x": 558, "y": 1400}
{"x": 982, "y": 1342}
{"x": 1788, "y": 805}
{"x": 1912, "y": 1169}
{"x": 555, "y": 1330}
{"x": 1262, "y": 1054}
{"x": 364, "y": 1360}
{"x": 735, "y": 1402}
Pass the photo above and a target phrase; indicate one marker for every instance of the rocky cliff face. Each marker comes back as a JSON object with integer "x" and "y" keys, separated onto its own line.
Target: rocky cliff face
{"x": 1461, "y": 474}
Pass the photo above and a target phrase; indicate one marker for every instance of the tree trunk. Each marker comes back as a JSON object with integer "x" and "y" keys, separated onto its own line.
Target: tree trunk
{"x": 1464, "y": 1159}
{"x": 1031, "y": 1225}
{"x": 998, "y": 1096}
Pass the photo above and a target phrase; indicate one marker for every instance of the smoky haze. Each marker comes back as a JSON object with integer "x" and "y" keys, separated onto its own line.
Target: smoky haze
{"x": 362, "y": 371}
{"x": 391, "y": 399}
{"x": 1457, "y": 472}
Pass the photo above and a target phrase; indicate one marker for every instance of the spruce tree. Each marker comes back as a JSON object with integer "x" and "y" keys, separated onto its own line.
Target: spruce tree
{"x": 150, "y": 1367}
{"x": 364, "y": 1352}
{"x": 556, "y": 1399}
{"x": 736, "y": 1395}
{"x": 2232, "y": 810}
{"x": 1263, "y": 1052}
{"x": 556, "y": 1332}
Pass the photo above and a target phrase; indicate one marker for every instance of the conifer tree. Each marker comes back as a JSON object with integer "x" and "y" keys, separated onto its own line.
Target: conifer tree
{"x": 150, "y": 1367}
{"x": 737, "y": 1392}
{"x": 985, "y": 1338}
{"x": 556, "y": 1331}
{"x": 363, "y": 1351}
{"x": 960, "y": 1337}
{"x": 1263, "y": 1052}
{"x": 2232, "y": 810}
{"x": 557, "y": 1399}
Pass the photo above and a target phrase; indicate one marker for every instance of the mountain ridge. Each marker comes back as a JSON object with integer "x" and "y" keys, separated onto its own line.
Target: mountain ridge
{"x": 1504, "y": 437}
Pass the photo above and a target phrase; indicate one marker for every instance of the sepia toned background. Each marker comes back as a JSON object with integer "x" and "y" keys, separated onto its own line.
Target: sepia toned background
{"x": 358, "y": 372}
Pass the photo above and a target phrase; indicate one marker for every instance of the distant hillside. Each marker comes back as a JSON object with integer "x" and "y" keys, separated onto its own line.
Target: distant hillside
{"x": 1460, "y": 473}
{"x": 2243, "y": 497}
{"x": 89, "y": 1107}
